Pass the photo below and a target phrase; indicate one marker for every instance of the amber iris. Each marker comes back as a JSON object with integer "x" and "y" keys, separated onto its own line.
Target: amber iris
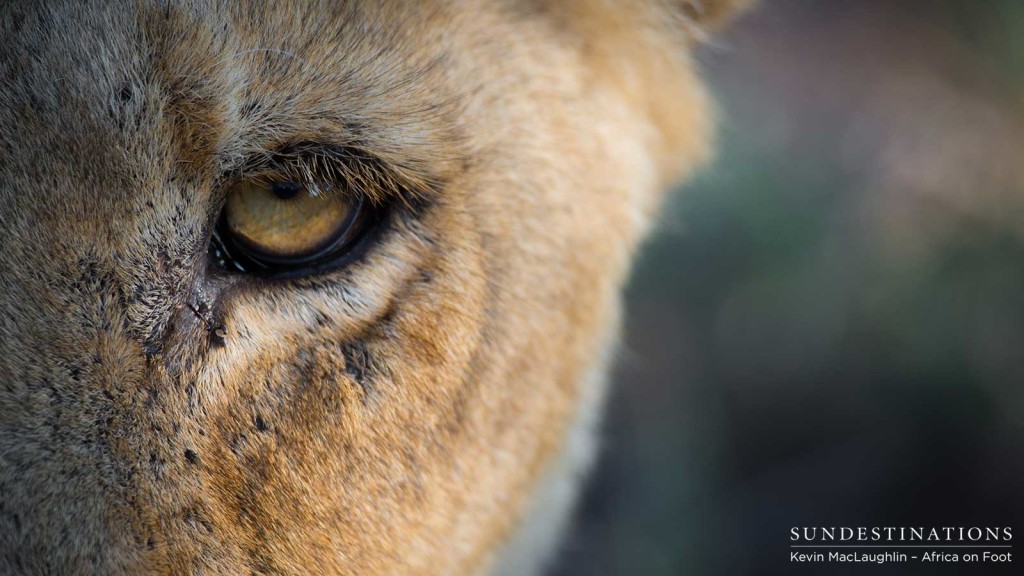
{"x": 286, "y": 222}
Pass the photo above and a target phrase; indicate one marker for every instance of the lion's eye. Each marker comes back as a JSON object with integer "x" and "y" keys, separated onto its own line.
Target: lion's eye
{"x": 284, "y": 226}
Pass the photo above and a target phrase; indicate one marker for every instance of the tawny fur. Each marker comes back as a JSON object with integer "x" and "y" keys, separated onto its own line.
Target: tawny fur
{"x": 396, "y": 416}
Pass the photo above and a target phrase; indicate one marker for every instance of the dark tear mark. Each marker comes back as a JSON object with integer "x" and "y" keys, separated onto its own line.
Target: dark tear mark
{"x": 358, "y": 364}
{"x": 218, "y": 335}
{"x": 260, "y": 423}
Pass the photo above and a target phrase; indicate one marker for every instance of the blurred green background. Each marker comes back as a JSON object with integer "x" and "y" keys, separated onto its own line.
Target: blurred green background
{"x": 829, "y": 327}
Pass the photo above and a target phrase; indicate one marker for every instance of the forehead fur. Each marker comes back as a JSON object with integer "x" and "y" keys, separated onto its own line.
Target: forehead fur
{"x": 208, "y": 85}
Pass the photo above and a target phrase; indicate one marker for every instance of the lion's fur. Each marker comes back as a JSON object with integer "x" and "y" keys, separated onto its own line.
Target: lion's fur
{"x": 393, "y": 417}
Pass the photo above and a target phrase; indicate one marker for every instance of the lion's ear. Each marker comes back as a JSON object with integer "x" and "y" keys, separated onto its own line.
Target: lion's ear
{"x": 712, "y": 14}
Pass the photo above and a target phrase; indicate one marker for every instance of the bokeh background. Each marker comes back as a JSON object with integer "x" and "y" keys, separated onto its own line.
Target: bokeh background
{"x": 829, "y": 327}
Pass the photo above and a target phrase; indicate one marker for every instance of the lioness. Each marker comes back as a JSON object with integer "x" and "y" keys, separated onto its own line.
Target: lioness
{"x": 297, "y": 287}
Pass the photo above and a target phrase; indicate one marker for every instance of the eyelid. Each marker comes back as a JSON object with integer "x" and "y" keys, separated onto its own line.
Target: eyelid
{"x": 342, "y": 169}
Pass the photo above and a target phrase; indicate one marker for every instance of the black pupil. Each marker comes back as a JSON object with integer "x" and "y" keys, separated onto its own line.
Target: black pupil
{"x": 285, "y": 190}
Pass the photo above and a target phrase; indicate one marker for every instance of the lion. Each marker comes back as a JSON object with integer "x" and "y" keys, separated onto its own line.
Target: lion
{"x": 321, "y": 287}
